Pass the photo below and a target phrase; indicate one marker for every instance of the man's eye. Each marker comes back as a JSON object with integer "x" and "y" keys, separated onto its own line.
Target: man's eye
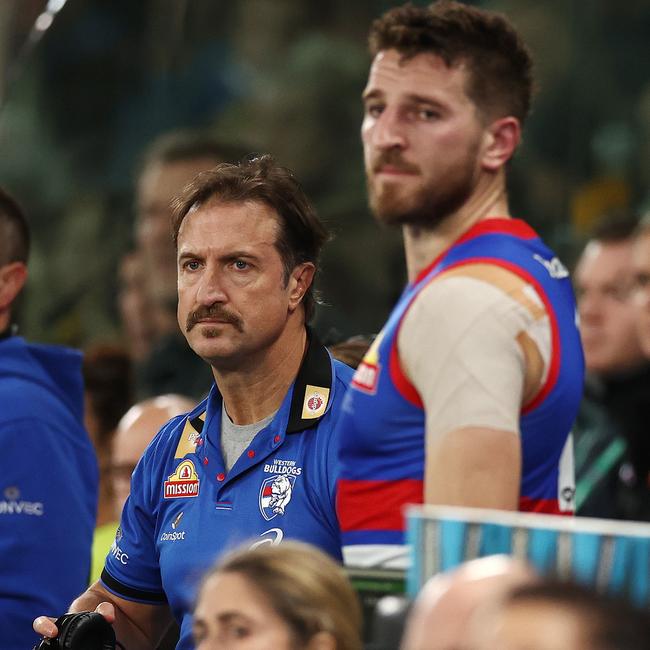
{"x": 191, "y": 265}
{"x": 427, "y": 114}
{"x": 236, "y": 631}
{"x": 374, "y": 110}
{"x": 241, "y": 265}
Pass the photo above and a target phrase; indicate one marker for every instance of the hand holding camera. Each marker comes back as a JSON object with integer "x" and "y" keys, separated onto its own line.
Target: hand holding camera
{"x": 80, "y": 631}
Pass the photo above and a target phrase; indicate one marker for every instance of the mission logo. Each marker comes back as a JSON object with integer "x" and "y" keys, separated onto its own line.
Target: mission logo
{"x": 183, "y": 483}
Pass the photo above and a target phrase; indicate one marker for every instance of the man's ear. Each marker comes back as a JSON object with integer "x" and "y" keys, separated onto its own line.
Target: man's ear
{"x": 12, "y": 279}
{"x": 322, "y": 641}
{"x": 299, "y": 282}
{"x": 501, "y": 140}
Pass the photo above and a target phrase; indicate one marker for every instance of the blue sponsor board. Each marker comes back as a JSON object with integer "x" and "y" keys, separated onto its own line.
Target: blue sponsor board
{"x": 611, "y": 556}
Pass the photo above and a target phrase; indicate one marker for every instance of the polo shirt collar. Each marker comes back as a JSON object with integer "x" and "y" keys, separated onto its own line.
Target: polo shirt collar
{"x": 311, "y": 392}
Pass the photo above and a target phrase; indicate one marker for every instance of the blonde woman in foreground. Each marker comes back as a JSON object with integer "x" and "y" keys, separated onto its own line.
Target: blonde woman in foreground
{"x": 286, "y": 597}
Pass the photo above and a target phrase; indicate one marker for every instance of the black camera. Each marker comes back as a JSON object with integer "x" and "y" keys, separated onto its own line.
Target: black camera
{"x": 82, "y": 631}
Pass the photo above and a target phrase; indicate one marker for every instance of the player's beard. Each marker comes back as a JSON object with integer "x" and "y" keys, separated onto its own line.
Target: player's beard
{"x": 434, "y": 199}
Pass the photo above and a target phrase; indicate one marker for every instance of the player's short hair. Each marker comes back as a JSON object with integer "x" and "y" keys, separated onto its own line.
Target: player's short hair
{"x": 499, "y": 64}
{"x": 614, "y": 229}
{"x": 14, "y": 231}
{"x": 260, "y": 179}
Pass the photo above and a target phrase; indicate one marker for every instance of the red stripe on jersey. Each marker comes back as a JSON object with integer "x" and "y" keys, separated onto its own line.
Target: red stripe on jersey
{"x": 403, "y": 385}
{"x": 545, "y": 506}
{"x": 501, "y": 226}
{"x": 375, "y": 505}
{"x": 498, "y": 225}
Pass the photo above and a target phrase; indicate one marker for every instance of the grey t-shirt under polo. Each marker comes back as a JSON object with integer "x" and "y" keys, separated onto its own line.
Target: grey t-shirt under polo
{"x": 236, "y": 437}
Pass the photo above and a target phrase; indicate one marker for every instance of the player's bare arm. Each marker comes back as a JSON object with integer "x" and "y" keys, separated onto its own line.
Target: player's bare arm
{"x": 487, "y": 360}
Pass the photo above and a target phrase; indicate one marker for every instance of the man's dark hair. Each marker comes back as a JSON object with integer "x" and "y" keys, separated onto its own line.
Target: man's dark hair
{"x": 609, "y": 623}
{"x": 301, "y": 235}
{"x": 499, "y": 64}
{"x": 186, "y": 144}
{"x": 614, "y": 229}
{"x": 14, "y": 231}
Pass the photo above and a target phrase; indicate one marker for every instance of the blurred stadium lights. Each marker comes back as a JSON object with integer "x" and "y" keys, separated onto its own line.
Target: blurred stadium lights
{"x": 18, "y": 37}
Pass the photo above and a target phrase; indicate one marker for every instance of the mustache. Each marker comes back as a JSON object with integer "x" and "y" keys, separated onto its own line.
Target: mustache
{"x": 393, "y": 158}
{"x": 213, "y": 311}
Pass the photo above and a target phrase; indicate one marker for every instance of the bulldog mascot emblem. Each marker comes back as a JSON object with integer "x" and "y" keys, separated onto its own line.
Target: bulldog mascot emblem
{"x": 275, "y": 494}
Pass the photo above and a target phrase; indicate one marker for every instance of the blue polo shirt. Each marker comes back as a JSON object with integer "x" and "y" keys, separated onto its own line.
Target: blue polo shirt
{"x": 185, "y": 509}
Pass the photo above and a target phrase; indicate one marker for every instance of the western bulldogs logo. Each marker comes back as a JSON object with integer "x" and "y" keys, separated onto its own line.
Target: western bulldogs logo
{"x": 275, "y": 494}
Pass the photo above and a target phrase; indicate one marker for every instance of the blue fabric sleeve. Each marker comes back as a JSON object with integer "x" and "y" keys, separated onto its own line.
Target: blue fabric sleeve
{"x": 132, "y": 562}
{"x": 48, "y": 493}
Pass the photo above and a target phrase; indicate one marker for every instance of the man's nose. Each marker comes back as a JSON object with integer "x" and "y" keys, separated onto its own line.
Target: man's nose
{"x": 641, "y": 296}
{"x": 387, "y": 131}
{"x": 211, "y": 288}
{"x": 590, "y": 306}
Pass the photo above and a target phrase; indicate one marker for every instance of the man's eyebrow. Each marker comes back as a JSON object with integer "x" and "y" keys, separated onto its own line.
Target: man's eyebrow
{"x": 187, "y": 253}
{"x": 374, "y": 93}
{"x": 231, "y": 255}
{"x": 413, "y": 98}
{"x": 229, "y": 616}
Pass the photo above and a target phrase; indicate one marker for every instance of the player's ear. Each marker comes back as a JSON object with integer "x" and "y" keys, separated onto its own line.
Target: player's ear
{"x": 300, "y": 280}
{"x": 12, "y": 279}
{"x": 500, "y": 141}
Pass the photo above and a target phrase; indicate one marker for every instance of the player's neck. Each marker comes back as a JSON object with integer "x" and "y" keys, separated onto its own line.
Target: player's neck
{"x": 256, "y": 389}
{"x": 5, "y": 319}
{"x": 423, "y": 245}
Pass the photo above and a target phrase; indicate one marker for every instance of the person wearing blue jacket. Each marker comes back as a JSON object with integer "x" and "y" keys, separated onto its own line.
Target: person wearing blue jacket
{"x": 48, "y": 470}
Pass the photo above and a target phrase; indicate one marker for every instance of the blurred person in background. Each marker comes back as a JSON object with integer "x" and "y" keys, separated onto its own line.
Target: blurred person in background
{"x": 135, "y": 307}
{"x": 48, "y": 469}
{"x": 443, "y": 610}
{"x": 468, "y": 395}
{"x": 640, "y": 448}
{"x": 135, "y": 431}
{"x": 285, "y": 597}
{"x": 170, "y": 163}
{"x": 351, "y": 350}
{"x": 108, "y": 390}
{"x": 257, "y": 459}
{"x": 614, "y": 413}
{"x": 551, "y": 615}
{"x": 108, "y": 395}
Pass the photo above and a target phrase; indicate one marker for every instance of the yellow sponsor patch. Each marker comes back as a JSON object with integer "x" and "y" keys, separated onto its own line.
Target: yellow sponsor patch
{"x": 315, "y": 402}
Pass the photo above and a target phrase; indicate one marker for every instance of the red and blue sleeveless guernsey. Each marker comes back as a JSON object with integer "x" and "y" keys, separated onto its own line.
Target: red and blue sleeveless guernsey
{"x": 383, "y": 420}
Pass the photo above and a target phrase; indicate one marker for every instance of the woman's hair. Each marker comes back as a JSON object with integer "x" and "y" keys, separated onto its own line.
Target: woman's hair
{"x": 305, "y": 587}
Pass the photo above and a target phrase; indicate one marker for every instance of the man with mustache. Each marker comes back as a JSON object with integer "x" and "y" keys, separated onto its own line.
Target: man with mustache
{"x": 468, "y": 395}
{"x": 247, "y": 245}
